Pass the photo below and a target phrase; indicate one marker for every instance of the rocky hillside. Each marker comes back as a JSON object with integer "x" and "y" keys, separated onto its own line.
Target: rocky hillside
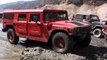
{"x": 27, "y": 4}
{"x": 41, "y": 3}
{"x": 19, "y": 5}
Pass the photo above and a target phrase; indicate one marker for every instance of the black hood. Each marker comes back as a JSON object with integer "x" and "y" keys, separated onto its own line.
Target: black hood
{"x": 77, "y": 23}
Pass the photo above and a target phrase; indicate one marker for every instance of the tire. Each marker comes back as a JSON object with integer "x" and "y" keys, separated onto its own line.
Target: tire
{"x": 61, "y": 43}
{"x": 85, "y": 42}
{"x": 11, "y": 36}
{"x": 97, "y": 32}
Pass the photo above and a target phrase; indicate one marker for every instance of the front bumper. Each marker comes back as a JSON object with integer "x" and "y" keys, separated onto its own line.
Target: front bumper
{"x": 82, "y": 33}
{"x": 80, "y": 36}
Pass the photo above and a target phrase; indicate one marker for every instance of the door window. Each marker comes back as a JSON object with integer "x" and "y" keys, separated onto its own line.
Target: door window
{"x": 35, "y": 17}
{"x": 22, "y": 17}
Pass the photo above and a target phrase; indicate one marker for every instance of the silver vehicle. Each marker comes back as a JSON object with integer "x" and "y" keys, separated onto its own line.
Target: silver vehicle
{"x": 93, "y": 20}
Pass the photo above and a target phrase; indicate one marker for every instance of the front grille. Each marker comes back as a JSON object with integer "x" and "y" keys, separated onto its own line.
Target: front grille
{"x": 82, "y": 31}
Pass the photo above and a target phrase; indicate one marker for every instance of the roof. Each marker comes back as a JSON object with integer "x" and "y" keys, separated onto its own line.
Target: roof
{"x": 30, "y": 10}
{"x": 25, "y": 10}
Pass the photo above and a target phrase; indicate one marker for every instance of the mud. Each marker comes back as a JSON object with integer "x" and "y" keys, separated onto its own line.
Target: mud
{"x": 40, "y": 51}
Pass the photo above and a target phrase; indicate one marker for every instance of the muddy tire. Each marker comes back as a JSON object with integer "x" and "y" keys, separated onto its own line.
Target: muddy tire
{"x": 97, "y": 32}
{"x": 11, "y": 36}
{"x": 86, "y": 41}
{"x": 61, "y": 43}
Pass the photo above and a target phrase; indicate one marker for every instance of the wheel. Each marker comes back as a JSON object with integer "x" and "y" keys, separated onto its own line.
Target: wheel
{"x": 61, "y": 43}
{"x": 97, "y": 32}
{"x": 85, "y": 42}
{"x": 11, "y": 36}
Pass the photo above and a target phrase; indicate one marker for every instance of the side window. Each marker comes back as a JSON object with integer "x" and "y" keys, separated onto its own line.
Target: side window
{"x": 22, "y": 17}
{"x": 34, "y": 17}
{"x": 84, "y": 16}
{"x": 50, "y": 16}
{"x": 8, "y": 16}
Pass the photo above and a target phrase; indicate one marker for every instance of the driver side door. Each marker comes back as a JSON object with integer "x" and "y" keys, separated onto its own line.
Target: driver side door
{"x": 34, "y": 29}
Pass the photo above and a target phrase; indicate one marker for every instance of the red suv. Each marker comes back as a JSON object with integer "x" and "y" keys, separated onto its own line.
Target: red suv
{"x": 46, "y": 26}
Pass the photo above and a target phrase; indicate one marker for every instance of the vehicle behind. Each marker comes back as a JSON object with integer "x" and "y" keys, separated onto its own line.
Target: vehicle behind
{"x": 94, "y": 20}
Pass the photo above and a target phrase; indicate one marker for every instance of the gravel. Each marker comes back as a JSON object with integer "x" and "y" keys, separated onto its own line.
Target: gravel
{"x": 41, "y": 51}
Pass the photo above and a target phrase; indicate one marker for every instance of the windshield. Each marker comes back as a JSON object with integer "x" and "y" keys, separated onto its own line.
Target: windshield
{"x": 78, "y": 17}
{"x": 55, "y": 16}
{"x": 95, "y": 18}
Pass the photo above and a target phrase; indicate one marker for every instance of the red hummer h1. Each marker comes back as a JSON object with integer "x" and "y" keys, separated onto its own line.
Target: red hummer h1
{"x": 46, "y": 25}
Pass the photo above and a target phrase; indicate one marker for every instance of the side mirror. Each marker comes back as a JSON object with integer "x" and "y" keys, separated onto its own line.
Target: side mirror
{"x": 38, "y": 22}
